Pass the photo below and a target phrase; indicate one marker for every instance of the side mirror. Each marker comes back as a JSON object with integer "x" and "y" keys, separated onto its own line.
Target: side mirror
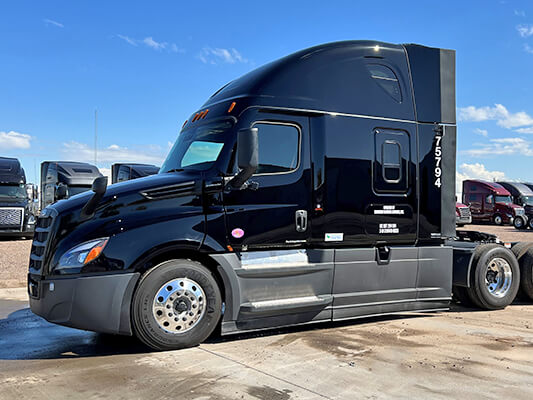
{"x": 247, "y": 156}
{"x": 61, "y": 192}
{"x": 100, "y": 185}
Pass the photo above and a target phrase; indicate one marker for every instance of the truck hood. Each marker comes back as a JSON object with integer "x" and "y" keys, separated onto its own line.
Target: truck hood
{"x": 130, "y": 187}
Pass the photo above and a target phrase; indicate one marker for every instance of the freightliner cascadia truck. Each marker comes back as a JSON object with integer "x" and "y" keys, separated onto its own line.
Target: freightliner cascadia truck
{"x": 63, "y": 179}
{"x": 17, "y": 211}
{"x": 319, "y": 187}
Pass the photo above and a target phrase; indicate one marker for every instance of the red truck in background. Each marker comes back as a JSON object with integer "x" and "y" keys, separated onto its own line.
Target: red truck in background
{"x": 463, "y": 215}
{"x": 491, "y": 202}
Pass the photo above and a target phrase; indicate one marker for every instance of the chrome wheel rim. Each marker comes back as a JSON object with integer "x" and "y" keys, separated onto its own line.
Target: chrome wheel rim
{"x": 519, "y": 222}
{"x": 499, "y": 277}
{"x": 498, "y": 220}
{"x": 179, "y": 305}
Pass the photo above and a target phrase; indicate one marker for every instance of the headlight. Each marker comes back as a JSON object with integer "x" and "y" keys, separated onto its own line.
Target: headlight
{"x": 82, "y": 254}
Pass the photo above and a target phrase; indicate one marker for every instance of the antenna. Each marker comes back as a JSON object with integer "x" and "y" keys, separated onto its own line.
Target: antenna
{"x": 95, "y": 136}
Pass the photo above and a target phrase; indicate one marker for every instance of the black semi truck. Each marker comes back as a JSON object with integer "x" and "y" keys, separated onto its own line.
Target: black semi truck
{"x": 121, "y": 172}
{"x": 522, "y": 195}
{"x": 63, "y": 179}
{"x": 17, "y": 212}
{"x": 318, "y": 187}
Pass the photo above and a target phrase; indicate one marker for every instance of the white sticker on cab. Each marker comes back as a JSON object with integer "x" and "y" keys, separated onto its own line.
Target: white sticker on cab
{"x": 334, "y": 237}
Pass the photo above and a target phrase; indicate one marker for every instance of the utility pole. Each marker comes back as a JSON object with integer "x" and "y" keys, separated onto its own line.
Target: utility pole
{"x": 95, "y": 136}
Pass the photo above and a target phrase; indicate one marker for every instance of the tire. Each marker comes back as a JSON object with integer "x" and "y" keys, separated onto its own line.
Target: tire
{"x": 519, "y": 249}
{"x": 497, "y": 219}
{"x": 526, "y": 274}
{"x": 503, "y": 285}
{"x": 184, "y": 288}
{"x": 530, "y": 222}
{"x": 519, "y": 223}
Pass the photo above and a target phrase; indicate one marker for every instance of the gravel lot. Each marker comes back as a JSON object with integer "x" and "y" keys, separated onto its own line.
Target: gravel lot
{"x": 14, "y": 254}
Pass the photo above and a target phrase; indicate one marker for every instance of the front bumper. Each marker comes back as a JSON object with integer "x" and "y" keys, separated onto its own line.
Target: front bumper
{"x": 463, "y": 220}
{"x": 94, "y": 303}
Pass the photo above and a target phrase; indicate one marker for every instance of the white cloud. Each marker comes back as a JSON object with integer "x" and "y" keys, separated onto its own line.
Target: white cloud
{"x": 504, "y": 146}
{"x": 525, "y": 30}
{"x": 482, "y": 132}
{"x": 153, "y": 44}
{"x": 520, "y": 13}
{"x": 14, "y": 140}
{"x": 497, "y": 113}
{"x": 114, "y": 153}
{"x": 49, "y": 22}
{"x": 528, "y": 48}
{"x": 209, "y": 55}
{"x": 106, "y": 172}
{"x": 525, "y": 130}
{"x": 150, "y": 42}
{"x": 129, "y": 40}
{"x": 475, "y": 171}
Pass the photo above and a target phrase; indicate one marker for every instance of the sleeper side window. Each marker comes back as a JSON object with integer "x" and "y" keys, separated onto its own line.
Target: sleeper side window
{"x": 279, "y": 146}
{"x": 123, "y": 173}
{"x": 386, "y": 78}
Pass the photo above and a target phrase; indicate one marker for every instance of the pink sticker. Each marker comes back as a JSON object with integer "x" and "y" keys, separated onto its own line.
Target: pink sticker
{"x": 237, "y": 233}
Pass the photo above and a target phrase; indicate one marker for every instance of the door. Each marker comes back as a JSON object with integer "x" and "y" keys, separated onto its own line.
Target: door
{"x": 274, "y": 210}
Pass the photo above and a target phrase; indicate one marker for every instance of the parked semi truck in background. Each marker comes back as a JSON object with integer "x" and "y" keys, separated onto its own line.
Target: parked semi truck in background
{"x": 124, "y": 172}
{"x": 63, "y": 179}
{"x": 463, "y": 215}
{"x": 522, "y": 195}
{"x": 318, "y": 187}
{"x": 17, "y": 211}
{"x": 491, "y": 202}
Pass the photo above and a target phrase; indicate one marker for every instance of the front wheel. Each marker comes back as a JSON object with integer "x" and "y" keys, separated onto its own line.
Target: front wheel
{"x": 497, "y": 219}
{"x": 495, "y": 278}
{"x": 519, "y": 223}
{"x": 177, "y": 304}
{"x": 530, "y": 222}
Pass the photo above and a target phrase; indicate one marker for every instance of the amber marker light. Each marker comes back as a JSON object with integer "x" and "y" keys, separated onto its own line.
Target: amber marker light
{"x": 231, "y": 107}
{"x": 204, "y": 114}
{"x": 95, "y": 252}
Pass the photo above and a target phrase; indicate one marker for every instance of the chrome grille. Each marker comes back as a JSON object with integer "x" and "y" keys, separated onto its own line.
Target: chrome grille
{"x": 40, "y": 242}
{"x": 11, "y": 217}
{"x": 464, "y": 212}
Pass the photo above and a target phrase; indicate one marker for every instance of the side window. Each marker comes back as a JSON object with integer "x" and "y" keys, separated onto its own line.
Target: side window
{"x": 123, "y": 173}
{"x": 391, "y": 163}
{"x": 279, "y": 146}
{"x": 386, "y": 79}
{"x": 489, "y": 199}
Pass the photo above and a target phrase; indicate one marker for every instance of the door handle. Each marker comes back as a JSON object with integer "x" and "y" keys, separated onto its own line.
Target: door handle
{"x": 383, "y": 255}
{"x": 301, "y": 221}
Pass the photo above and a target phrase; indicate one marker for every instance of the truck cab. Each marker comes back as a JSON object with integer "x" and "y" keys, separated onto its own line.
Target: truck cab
{"x": 17, "y": 213}
{"x": 491, "y": 202}
{"x": 121, "y": 172}
{"x": 522, "y": 196}
{"x": 463, "y": 215}
{"x": 314, "y": 188}
{"x": 63, "y": 179}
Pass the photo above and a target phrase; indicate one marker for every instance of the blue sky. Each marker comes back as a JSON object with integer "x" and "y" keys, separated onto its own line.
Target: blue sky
{"x": 145, "y": 66}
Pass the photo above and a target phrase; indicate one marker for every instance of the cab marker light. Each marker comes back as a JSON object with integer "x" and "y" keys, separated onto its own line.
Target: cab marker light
{"x": 231, "y": 107}
{"x": 204, "y": 114}
{"x": 185, "y": 123}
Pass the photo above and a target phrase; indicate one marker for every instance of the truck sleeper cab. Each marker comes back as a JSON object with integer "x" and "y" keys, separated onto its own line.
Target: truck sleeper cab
{"x": 121, "y": 172}
{"x": 491, "y": 202}
{"x": 522, "y": 196}
{"x": 311, "y": 189}
{"x": 63, "y": 179}
{"x": 17, "y": 213}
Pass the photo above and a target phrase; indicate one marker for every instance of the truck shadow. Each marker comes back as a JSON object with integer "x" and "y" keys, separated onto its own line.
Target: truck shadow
{"x": 25, "y": 336}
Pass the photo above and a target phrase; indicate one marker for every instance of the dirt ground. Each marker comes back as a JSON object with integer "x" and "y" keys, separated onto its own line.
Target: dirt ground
{"x": 14, "y": 254}
{"x": 462, "y": 353}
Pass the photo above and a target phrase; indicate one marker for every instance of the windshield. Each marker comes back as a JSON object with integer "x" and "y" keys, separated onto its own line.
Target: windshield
{"x": 13, "y": 192}
{"x": 503, "y": 199}
{"x": 527, "y": 200}
{"x": 199, "y": 147}
{"x": 74, "y": 190}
